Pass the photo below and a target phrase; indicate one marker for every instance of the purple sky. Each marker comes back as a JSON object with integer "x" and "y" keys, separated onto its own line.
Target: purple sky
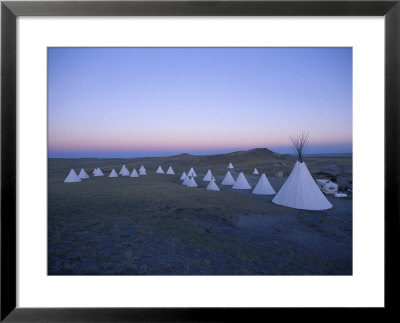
{"x": 129, "y": 102}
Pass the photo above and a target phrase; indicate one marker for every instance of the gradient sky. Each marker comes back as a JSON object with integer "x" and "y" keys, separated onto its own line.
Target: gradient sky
{"x": 130, "y": 102}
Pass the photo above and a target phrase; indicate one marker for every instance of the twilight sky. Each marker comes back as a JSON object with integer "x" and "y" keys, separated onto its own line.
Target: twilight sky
{"x": 130, "y": 102}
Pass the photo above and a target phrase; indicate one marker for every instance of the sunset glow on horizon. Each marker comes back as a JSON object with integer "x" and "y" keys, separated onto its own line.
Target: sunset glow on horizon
{"x": 131, "y": 102}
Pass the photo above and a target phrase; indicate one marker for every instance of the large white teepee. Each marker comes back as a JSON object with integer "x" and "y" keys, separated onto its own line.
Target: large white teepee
{"x": 228, "y": 179}
{"x": 142, "y": 171}
{"x": 125, "y": 172}
{"x": 255, "y": 172}
{"x": 134, "y": 173}
{"x": 192, "y": 182}
{"x": 192, "y": 173}
{"x": 183, "y": 176}
{"x": 230, "y": 166}
{"x": 170, "y": 171}
{"x": 83, "y": 174}
{"x": 208, "y": 176}
{"x": 263, "y": 187}
{"x": 300, "y": 190}
{"x": 72, "y": 177}
{"x": 123, "y": 168}
{"x": 159, "y": 170}
{"x": 186, "y": 181}
{"x": 212, "y": 186}
{"x": 113, "y": 173}
{"x": 241, "y": 183}
{"x": 98, "y": 172}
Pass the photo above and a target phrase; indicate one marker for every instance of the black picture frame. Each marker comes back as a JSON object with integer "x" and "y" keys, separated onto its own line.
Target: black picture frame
{"x": 10, "y": 10}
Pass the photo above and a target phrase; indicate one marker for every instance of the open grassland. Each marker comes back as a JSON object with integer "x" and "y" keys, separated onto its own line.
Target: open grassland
{"x": 152, "y": 225}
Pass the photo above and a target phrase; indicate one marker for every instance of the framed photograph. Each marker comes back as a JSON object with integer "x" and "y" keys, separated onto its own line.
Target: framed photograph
{"x": 179, "y": 160}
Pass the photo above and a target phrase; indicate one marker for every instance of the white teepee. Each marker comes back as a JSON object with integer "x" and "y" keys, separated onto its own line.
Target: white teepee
{"x": 230, "y": 166}
{"x": 228, "y": 179}
{"x": 142, "y": 171}
{"x": 170, "y": 171}
{"x": 183, "y": 176}
{"x": 113, "y": 173}
{"x": 123, "y": 170}
{"x": 212, "y": 186}
{"x": 208, "y": 176}
{"x": 159, "y": 170}
{"x": 263, "y": 187}
{"x": 255, "y": 172}
{"x": 300, "y": 190}
{"x": 192, "y": 173}
{"x": 186, "y": 181}
{"x": 98, "y": 172}
{"x": 94, "y": 171}
{"x": 241, "y": 183}
{"x": 192, "y": 182}
{"x": 83, "y": 174}
{"x": 72, "y": 177}
{"x": 134, "y": 173}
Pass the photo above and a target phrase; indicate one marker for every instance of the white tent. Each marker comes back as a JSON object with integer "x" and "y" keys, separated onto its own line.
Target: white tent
{"x": 94, "y": 171}
{"x": 123, "y": 170}
{"x": 113, "y": 173}
{"x": 183, "y": 176}
{"x": 159, "y": 170}
{"x": 228, "y": 179}
{"x": 192, "y": 182}
{"x": 230, "y": 166}
{"x": 300, "y": 190}
{"x": 241, "y": 183}
{"x": 83, "y": 174}
{"x": 142, "y": 171}
{"x": 170, "y": 171}
{"x": 186, "y": 181}
{"x": 134, "y": 173}
{"x": 72, "y": 177}
{"x": 141, "y": 168}
{"x": 192, "y": 173}
{"x": 263, "y": 187}
{"x": 98, "y": 172}
{"x": 212, "y": 186}
{"x": 208, "y": 176}
{"x": 255, "y": 172}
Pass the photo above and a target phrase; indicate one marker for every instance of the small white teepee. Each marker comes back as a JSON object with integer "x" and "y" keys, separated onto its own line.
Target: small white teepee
{"x": 134, "y": 173}
{"x": 159, "y": 170}
{"x": 212, "y": 186}
{"x": 186, "y": 181}
{"x": 263, "y": 186}
{"x": 192, "y": 173}
{"x": 125, "y": 172}
{"x": 113, "y": 173}
{"x": 142, "y": 171}
{"x": 123, "y": 168}
{"x": 230, "y": 166}
{"x": 192, "y": 182}
{"x": 255, "y": 172}
{"x": 170, "y": 171}
{"x": 208, "y": 176}
{"x": 183, "y": 176}
{"x": 94, "y": 171}
{"x": 241, "y": 183}
{"x": 300, "y": 190}
{"x": 83, "y": 174}
{"x": 98, "y": 172}
{"x": 228, "y": 179}
{"x": 72, "y": 177}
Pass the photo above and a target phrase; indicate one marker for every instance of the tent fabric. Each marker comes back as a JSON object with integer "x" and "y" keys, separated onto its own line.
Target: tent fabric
{"x": 230, "y": 166}
{"x": 72, "y": 177}
{"x": 192, "y": 182}
{"x": 186, "y": 181}
{"x": 98, "y": 172}
{"x": 192, "y": 173}
{"x": 228, "y": 179}
{"x": 113, "y": 173}
{"x": 125, "y": 172}
{"x": 301, "y": 192}
{"x": 83, "y": 174}
{"x": 208, "y": 176}
{"x": 241, "y": 183}
{"x": 212, "y": 186}
{"x": 263, "y": 187}
{"x": 159, "y": 170}
{"x": 255, "y": 172}
{"x": 183, "y": 176}
{"x": 94, "y": 171}
{"x": 134, "y": 173}
{"x": 170, "y": 171}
